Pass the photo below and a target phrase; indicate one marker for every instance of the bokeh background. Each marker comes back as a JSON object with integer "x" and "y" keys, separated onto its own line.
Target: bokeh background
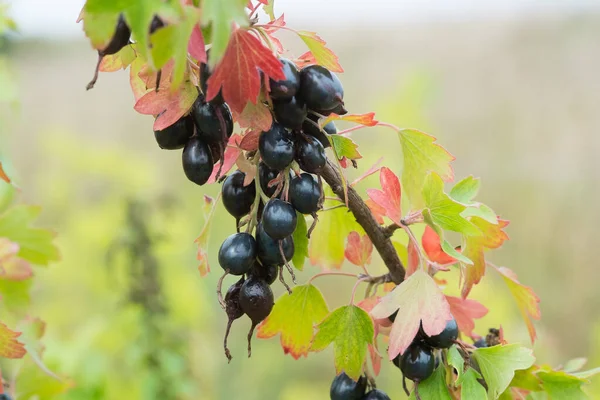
{"x": 511, "y": 88}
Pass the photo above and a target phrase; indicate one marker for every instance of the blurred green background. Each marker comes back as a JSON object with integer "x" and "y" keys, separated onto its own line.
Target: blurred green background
{"x": 516, "y": 100}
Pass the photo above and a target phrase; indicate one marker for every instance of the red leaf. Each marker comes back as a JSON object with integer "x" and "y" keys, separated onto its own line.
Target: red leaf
{"x": 465, "y": 311}
{"x": 367, "y": 305}
{"x": 3, "y": 175}
{"x": 250, "y": 141}
{"x": 377, "y": 210}
{"x": 358, "y": 250}
{"x": 202, "y": 239}
{"x": 433, "y": 248}
{"x": 362, "y": 119}
{"x": 305, "y": 59}
{"x": 196, "y": 45}
{"x": 232, "y": 152}
{"x": 390, "y": 197}
{"x": 272, "y": 27}
{"x": 413, "y": 258}
{"x": 237, "y": 73}
{"x": 374, "y": 168}
{"x": 322, "y": 55}
{"x": 255, "y": 115}
{"x": 10, "y": 347}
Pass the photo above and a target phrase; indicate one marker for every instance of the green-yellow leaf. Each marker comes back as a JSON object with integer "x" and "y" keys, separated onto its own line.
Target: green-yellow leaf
{"x": 221, "y": 14}
{"x": 446, "y": 246}
{"x": 350, "y": 329}
{"x": 562, "y": 386}
{"x": 345, "y": 147}
{"x": 99, "y": 27}
{"x": 294, "y": 317}
{"x": 323, "y": 56}
{"x": 10, "y": 347}
{"x": 470, "y": 388}
{"x": 527, "y": 379}
{"x": 300, "y": 242}
{"x": 464, "y": 192}
{"x": 420, "y": 157}
{"x": 499, "y": 363}
{"x": 202, "y": 239}
{"x": 433, "y": 387}
{"x": 456, "y": 360}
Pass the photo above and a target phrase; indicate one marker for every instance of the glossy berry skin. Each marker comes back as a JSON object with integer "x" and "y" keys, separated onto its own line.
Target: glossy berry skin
{"x": 287, "y": 88}
{"x": 305, "y": 193}
{"x": 276, "y": 147}
{"x": 266, "y": 175}
{"x": 266, "y": 272}
{"x": 311, "y": 156}
{"x": 214, "y": 122}
{"x": 279, "y": 219}
{"x": 393, "y": 316}
{"x": 205, "y": 73}
{"x": 238, "y": 253}
{"x": 197, "y": 161}
{"x": 480, "y": 343}
{"x": 256, "y": 299}
{"x": 345, "y": 388}
{"x": 320, "y": 88}
{"x": 376, "y": 394}
{"x": 268, "y": 248}
{"x": 156, "y": 24}
{"x": 290, "y": 112}
{"x": 238, "y": 198}
{"x": 446, "y": 338}
{"x": 339, "y": 110}
{"x": 417, "y": 363}
{"x": 177, "y": 135}
{"x": 120, "y": 38}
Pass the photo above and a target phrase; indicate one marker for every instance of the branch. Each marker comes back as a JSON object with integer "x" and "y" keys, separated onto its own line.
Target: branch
{"x": 364, "y": 217}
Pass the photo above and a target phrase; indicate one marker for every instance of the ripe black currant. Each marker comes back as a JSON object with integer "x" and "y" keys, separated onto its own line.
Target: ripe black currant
{"x": 287, "y": 88}
{"x": 238, "y": 253}
{"x": 268, "y": 248}
{"x": 320, "y": 88}
{"x": 256, "y": 299}
{"x": 233, "y": 310}
{"x": 279, "y": 219}
{"x": 156, "y": 24}
{"x": 197, "y": 161}
{"x": 290, "y": 112}
{"x": 4, "y": 396}
{"x": 266, "y": 272}
{"x": 345, "y": 388}
{"x": 312, "y": 129}
{"x": 266, "y": 175}
{"x": 480, "y": 343}
{"x": 417, "y": 363}
{"x": 205, "y": 73}
{"x": 393, "y": 316}
{"x": 444, "y": 339}
{"x": 311, "y": 156}
{"x": 376, "y": 394}
{"x": 120, "y": 38}
{"x": 305, "y": 193}
{"x": 238, "y": 198}
{"x": 213, "y": 122}
{"x": 177, "y": 135}
{"x": 276, "y": 147}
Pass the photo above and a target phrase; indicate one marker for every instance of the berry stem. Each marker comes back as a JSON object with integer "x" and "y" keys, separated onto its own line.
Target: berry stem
{"x": 358, "y": 282}
{"x": 339, "y": 273}
{"x": 413, "y": 239}
{"x": 219, "y": 291}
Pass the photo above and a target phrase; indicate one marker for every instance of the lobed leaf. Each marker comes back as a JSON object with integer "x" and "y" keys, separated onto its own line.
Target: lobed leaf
{"x": 255, "y": 115}
{"x": 433, "y": 248}
{"x": 300, "y": 237}
{"x": 470, "y": 388}
{"x": 390, "y": 197}
{"x": 221, "y": 14}
{"x": 10, "y": 347}
{"x": 359, "y": 249}
{"x": 362, "y": 119}
{"x": 465, "y": 311}
{"x": 433, "y": 387}
{"x": 344, "y": 147}
{"x": 202, "y": 239}
{"x": 321, "y": 54}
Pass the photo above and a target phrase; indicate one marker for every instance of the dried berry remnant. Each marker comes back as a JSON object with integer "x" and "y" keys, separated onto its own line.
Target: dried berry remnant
{"x": 279, "y": 219}
{"x": 197, "y": 161}
{"x": 177, "y": 135}
{"x": 286, "y": 88}
{"x": 311, "y": 156}
{"x": 290, "y": 112}
{"x": 345, "y": 388}
{"x": 238, "y": 253}
{"x": 321, "y": 89}
{"x": 256, "y": 300}
{"x": 233, "y": 310}
{"x": 444, "y": 339}
{"x": 306, "y": 194}
{"x": 238, "y": 198}
{"x": 276, "y": 147}
{"x": 493, "y": 338}
{"x": 417, "y": 363}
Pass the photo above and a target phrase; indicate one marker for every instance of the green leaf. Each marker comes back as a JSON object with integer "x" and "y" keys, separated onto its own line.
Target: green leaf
{"x": 350, "y": 329}
{"x": 345, "y": 147}
{"x": 34, "y": 383}
{"x": 294, "y": 317}
{"x": 99, "y": 26}
{"x": 268, "y": 9}
{"x": 434, "y": 387}
{"x": 456, "y": 360}
{"x": 587, "y": 374}
{"x": 35, "y": 245}
{"x": 470, "y": 388}
{"x": 499, "y": 363}
{"x": 300, "y": 242}
{"x": 527, "y": 379}
{"x": 420, "y": 157}
{"x": 562, "y": 386}
{"x": 465, "y": 190}
{"x": 446, "y": 246}
{"x": 15, "y": 294}
{"x": 574, "y": 365}
{"x": 323, "y": 56}
{"x": 221, "y": 13}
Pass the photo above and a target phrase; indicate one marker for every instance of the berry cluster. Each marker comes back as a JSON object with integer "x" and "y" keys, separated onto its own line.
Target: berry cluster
{"x": 345, "y": 388}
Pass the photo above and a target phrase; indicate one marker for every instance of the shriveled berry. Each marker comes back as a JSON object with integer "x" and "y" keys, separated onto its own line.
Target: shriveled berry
{"x": 177, "y": 135}
{"x": 197, "y": 161}
{"x": 276, "y": 147}
{"x": 345, "y": 388}
{"x": 320, "y": 88}
{"x": 279, "y": 219}
{"x": 286, "y": 88}
{"x": 238, "y": 198}
{"x": 238, "y": 253}
{"x": 311, "y": 156}
{"x": 305, "y": 193}
{"x": 256, "y": 299}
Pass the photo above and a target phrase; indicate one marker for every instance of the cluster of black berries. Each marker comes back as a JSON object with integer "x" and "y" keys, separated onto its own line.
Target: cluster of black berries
{"x": 345, "y": 388}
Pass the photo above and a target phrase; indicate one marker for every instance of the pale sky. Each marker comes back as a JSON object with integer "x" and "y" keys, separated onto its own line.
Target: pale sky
{"x": 56, "y": 18}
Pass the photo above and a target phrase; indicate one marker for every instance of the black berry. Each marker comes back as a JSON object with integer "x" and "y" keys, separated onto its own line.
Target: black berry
{"x": 393, "y": 316}
{"x": 197, "y": 161}
{"x": 238, "y": 253}
{"x": 233, "y": 310}
{"x": 268, "y": 248}
{"x": 345, "y": 388}
{"x": 305, "y": 193}
{"x": 266, "y": 272}
{"x": 276, "y": 147}
{"x": 290, "y": 112}
{"x": 446, "y": 338}
{"x": 120, "y": 38}
{"x": 279, "y": 219}
{"x": 320, "y": 88}
{"x": 313, "y": 130}
{"x": 417, "y": 363}
{"x": 156, "y": 24}
{"x": 287, "y": 88}
{"x": 177, "y": 135}
{"x": 214, "y": 122}
{"x": 311, "y": 156}
{"x": 238, "y": 198}
{"x": 376, "y": 394}
{"x": 205, "y": 73}
{"x": 4, "y": 396}
{"x": 266, "y": 175}
{"x": 480, "y": 343}
{"x": 256, "y": 299}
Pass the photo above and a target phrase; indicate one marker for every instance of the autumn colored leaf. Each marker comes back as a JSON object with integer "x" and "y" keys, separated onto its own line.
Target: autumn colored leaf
{"x": 413, "y": 258}
{"x": 137, "y": 84}
{"x": 120, "y": 60}
{"x": 250, "y": 141}
{"x": 12, "y": 267}
{"x": 420, "y": 157}
{"x": 322, "y": 55}
{"x": 237, "y": 74}
{"x": 492, "y": 237}
{"x": 300, "y": 237}
{"x": 255, "y": 115}
{"x": 344, "y": 147}
{"x": 433, "y": 248}
{"x": 367, "y": 305}
{"x": 362, "y": 119}
{"x": 249, "y": 169}
{"x": 196, "y": 46}
{"x": 3, "y": 175}
{"x": 268, "y": 9}
{"x": 168, "y": 105}
{"x": 465, "y": 311}
{"x": 377, "y": 211}
{"x": 390, "y": 197}
{"x": 10, "y": 347}
{"x": 374, "y": 169}
{"x": 232, "y": 152}
{"x": 359, "y": 249}
{"x": 527, "y": 300}
{"x": 220, "y": 14}
{"x": 305, "y": 59}
{"x": 202, "y": 239}
{"x": 499, "y": 363}
{"x": 350, "y": 329}
{"x": 273, "y": 26}
{"x": 419, "y": 301}
{"x": 294, "y": 317}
